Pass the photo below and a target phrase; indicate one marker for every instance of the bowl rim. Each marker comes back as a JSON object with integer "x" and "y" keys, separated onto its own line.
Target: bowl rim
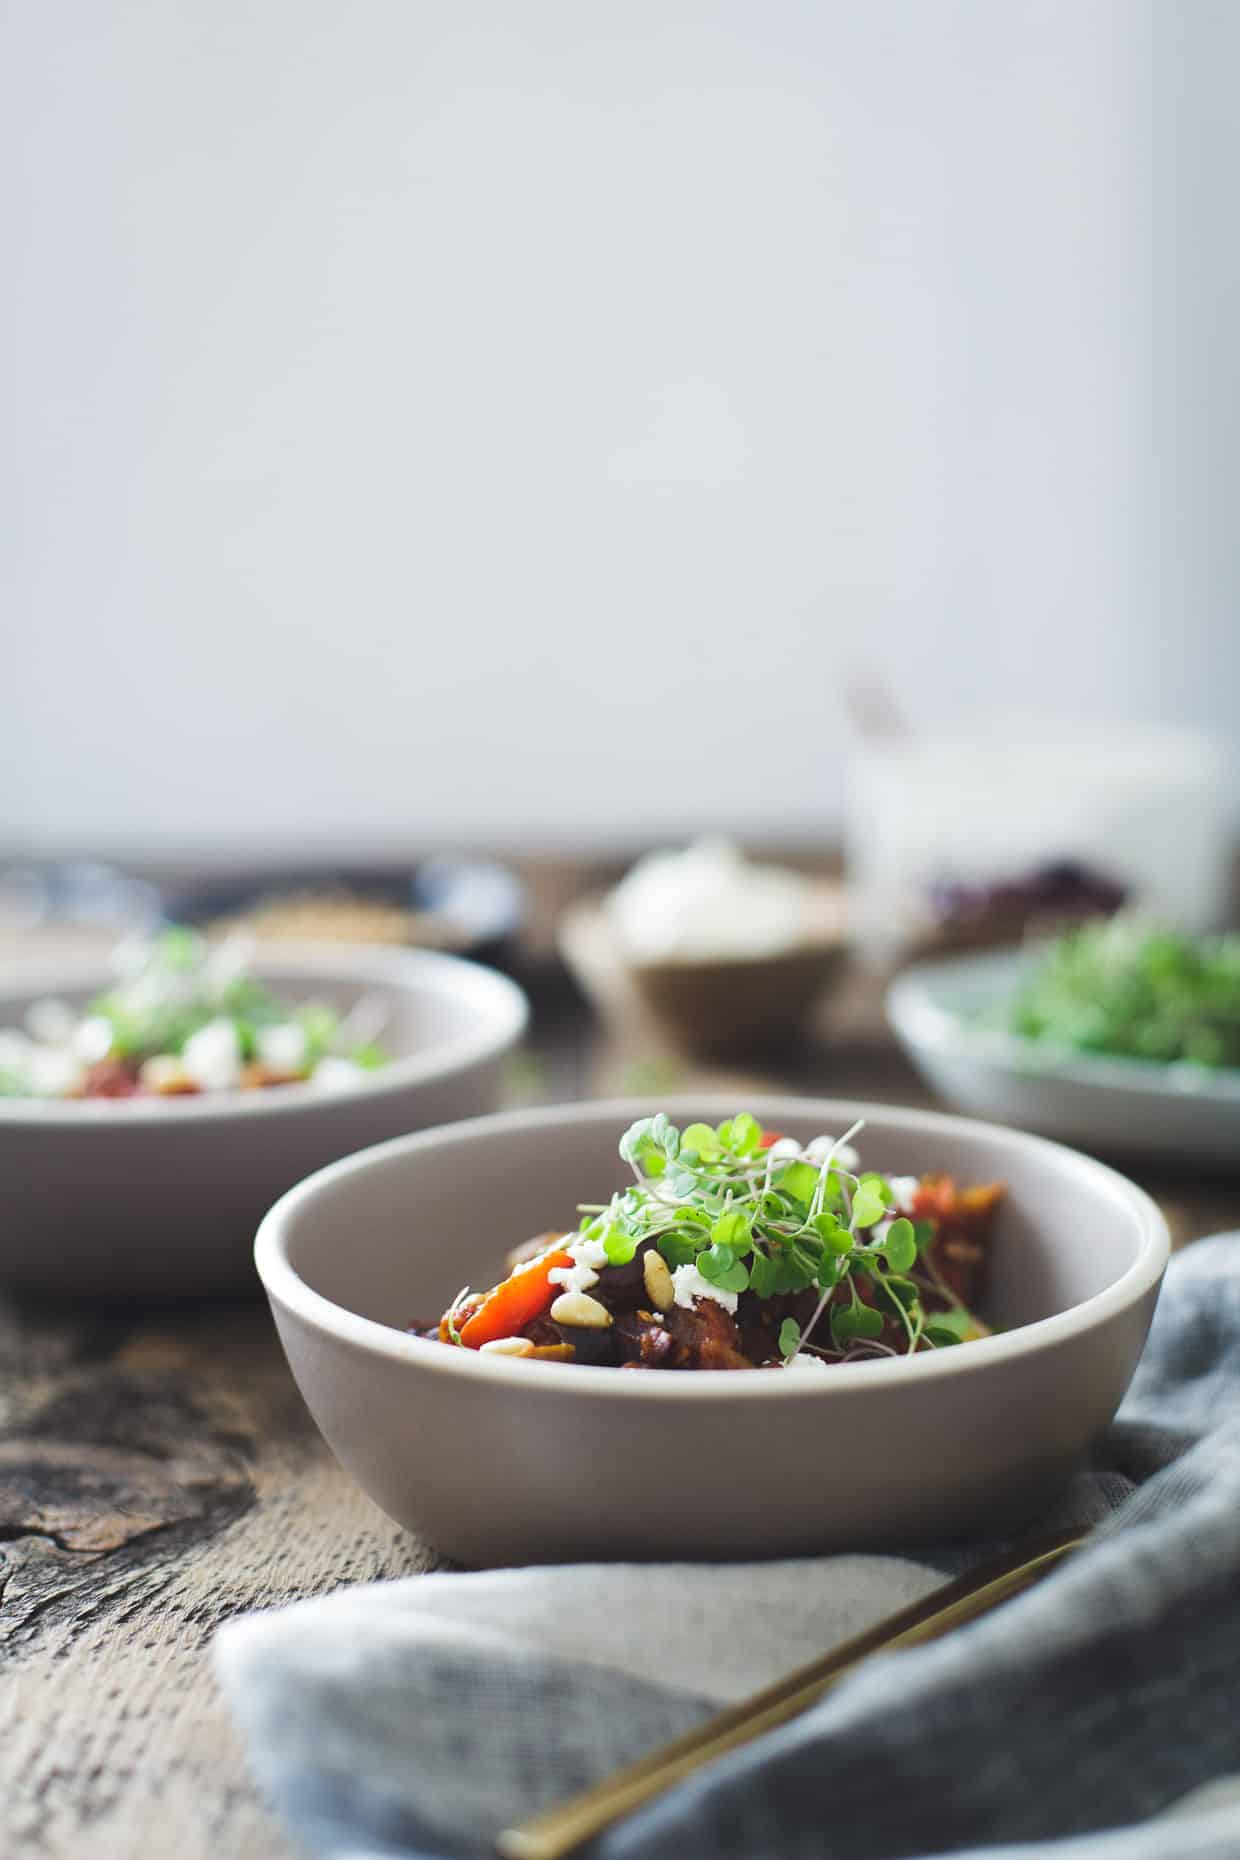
{"x": 287, "y": 1289}
{"x": 501, "y": 1007}
{"x": 922, "y": 1021}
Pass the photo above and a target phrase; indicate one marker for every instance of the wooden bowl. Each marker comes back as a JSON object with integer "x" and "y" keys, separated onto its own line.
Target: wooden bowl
{"x": 724, "y": 1007}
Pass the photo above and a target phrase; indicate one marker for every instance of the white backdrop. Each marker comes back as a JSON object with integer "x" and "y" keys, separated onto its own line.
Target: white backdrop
{"x": 504, "y": 420}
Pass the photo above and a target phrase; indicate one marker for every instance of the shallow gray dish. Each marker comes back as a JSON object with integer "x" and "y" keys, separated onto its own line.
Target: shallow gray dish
{"x": 1130, "y": 1106}
{"x": 162, "y": 1195}
{"x": 495, "y": 1460}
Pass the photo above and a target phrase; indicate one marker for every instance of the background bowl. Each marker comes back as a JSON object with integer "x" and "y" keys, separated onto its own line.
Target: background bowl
{"x": 718, "y": 1008}
{"x": 162, "y": 1195}
{"x": 469, "y": 907}
{"x": 1130, "y": 1106}
{"x": 495, "y": 1460}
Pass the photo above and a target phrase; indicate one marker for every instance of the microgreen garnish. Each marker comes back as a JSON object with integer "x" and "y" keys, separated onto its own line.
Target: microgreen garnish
{"x": 450, "y": 1323}
{"x": 1135, "y": 989}
{"x": 778, "y": 1219}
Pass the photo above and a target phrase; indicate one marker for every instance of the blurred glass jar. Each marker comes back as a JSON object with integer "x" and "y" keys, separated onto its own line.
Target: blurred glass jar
{"x": 1138, "y": 811}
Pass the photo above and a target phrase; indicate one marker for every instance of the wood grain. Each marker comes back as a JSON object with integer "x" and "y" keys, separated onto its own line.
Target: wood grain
{"x": 156, "y": 1475}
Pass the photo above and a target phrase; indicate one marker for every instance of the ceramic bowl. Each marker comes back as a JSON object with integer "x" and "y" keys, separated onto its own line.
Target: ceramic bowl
{"x": 938, "y": 1010}
{"x": 162, "y": 1195}
{"x": 719, "y": 1008}
{"x": 495, "y": 1460}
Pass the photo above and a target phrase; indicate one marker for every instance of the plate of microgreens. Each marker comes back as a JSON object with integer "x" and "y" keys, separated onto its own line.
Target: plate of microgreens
{"x": 1122, "y": 1035}
{"x": 698, "y": 1329}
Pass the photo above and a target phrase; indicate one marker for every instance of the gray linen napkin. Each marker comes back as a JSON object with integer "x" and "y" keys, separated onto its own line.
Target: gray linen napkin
{"x": 1096, "y": 1718}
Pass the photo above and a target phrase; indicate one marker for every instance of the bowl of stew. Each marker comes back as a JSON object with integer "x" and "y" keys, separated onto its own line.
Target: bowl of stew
{"x": 595, "y": 1332}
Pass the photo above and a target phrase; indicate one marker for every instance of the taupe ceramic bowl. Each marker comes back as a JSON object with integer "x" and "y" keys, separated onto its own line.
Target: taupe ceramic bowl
{"x": 162, "y": 1195}
{"x": 495, "y": 1460}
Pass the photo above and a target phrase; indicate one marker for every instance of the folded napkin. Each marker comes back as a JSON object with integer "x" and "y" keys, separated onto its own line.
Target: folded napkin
{"x": 1095, "y": 1718}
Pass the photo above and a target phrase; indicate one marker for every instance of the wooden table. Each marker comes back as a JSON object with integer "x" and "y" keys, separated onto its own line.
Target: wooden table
{"x": 158, "y": 1474}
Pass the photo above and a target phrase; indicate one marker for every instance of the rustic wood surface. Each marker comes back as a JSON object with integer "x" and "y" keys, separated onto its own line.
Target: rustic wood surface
{"x": 158, "y": 1474}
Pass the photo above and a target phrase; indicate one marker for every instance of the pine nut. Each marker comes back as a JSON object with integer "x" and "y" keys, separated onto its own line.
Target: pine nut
{"x": 507, "y": 1346}
{"x": 579, "y": 1309}
{"x": 659, "y": 1288}
{"x": 165, "y": 1074}
{"x": 554, "y": 1353}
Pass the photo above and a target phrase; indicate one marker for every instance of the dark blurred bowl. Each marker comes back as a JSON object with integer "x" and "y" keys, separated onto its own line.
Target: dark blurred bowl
{"x": 473, "y": 907}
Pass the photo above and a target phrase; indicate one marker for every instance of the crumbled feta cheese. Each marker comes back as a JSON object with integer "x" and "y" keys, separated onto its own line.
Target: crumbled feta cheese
{"x": 212, "y": 1056}
{"x": 332, "y": 1074}
{"x": 784, "y": 1149}
{"x": 688, "y": 1284}
{"x": 843, "y": 1153}
{"x": 54, "y": 1071}
{"x": 162, "y": 1072}
{"x": 805, "y": 1360}
{"x": 903, "y": 1189}
{"x": 282, "y": 1047}
{"x": 92, "y": 1039}
{"x": 51, "y": 1021}
{"x": 589, "y": 1257}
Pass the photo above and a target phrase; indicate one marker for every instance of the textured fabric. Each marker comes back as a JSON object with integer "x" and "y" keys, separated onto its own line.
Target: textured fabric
{"x": 1095, "y": 1718}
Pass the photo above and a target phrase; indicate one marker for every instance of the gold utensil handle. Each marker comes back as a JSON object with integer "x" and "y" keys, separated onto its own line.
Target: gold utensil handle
{"x": 557, "y": 1831}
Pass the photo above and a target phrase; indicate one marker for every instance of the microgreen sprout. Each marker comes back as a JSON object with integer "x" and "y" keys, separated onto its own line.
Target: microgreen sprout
{"x": 450, "y": 1315}
{"x": 778, "y": 1219}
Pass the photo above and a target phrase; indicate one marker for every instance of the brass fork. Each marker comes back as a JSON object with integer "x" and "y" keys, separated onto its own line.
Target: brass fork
{"x": 557, "y": 1831}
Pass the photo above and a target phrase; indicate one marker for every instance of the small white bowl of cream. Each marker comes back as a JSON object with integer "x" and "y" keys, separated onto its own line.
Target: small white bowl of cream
{"x": 728, "y": 954}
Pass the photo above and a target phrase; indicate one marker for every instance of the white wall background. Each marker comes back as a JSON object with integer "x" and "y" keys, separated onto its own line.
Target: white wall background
{"x": 493, "y": 420}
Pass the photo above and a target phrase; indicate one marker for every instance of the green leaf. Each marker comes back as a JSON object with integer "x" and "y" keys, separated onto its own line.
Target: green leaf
{"x": 732, "y": 1230}
{"x": 763, "y": 1274}
{"x": 699, "y": 1140}
{"x": 831, "y": 1271}
{"x": 650, "y": 1144}
{"x": 799, "y": 1180}
{"x": 868, "y": 1204}
{"x": 900, "y": 1246}
{"x": 833, "y": 1234}
{"x": 833, "y": 1193}
{"x": 903, "y": 1291}
{"x": 720, "y": 1266}
{"x": 789, "y": 1338}
{"x": 713, "y": 1261}
{"x": 793, "y": 1272}
{"x": 178, "y": 948}
{"x": 852, "y": 1321}
{"x": 319, "y": 1023}
{"x": 678, "y": 1249}
{"x": 935, "y": 1334}
{"x": 957, "y": 1322}
{"x": 369, "y": 1055}
{"x": 619, "y": 1246}
{"x": 744, "y": 1136}
{"x": 924, "y": 1232}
